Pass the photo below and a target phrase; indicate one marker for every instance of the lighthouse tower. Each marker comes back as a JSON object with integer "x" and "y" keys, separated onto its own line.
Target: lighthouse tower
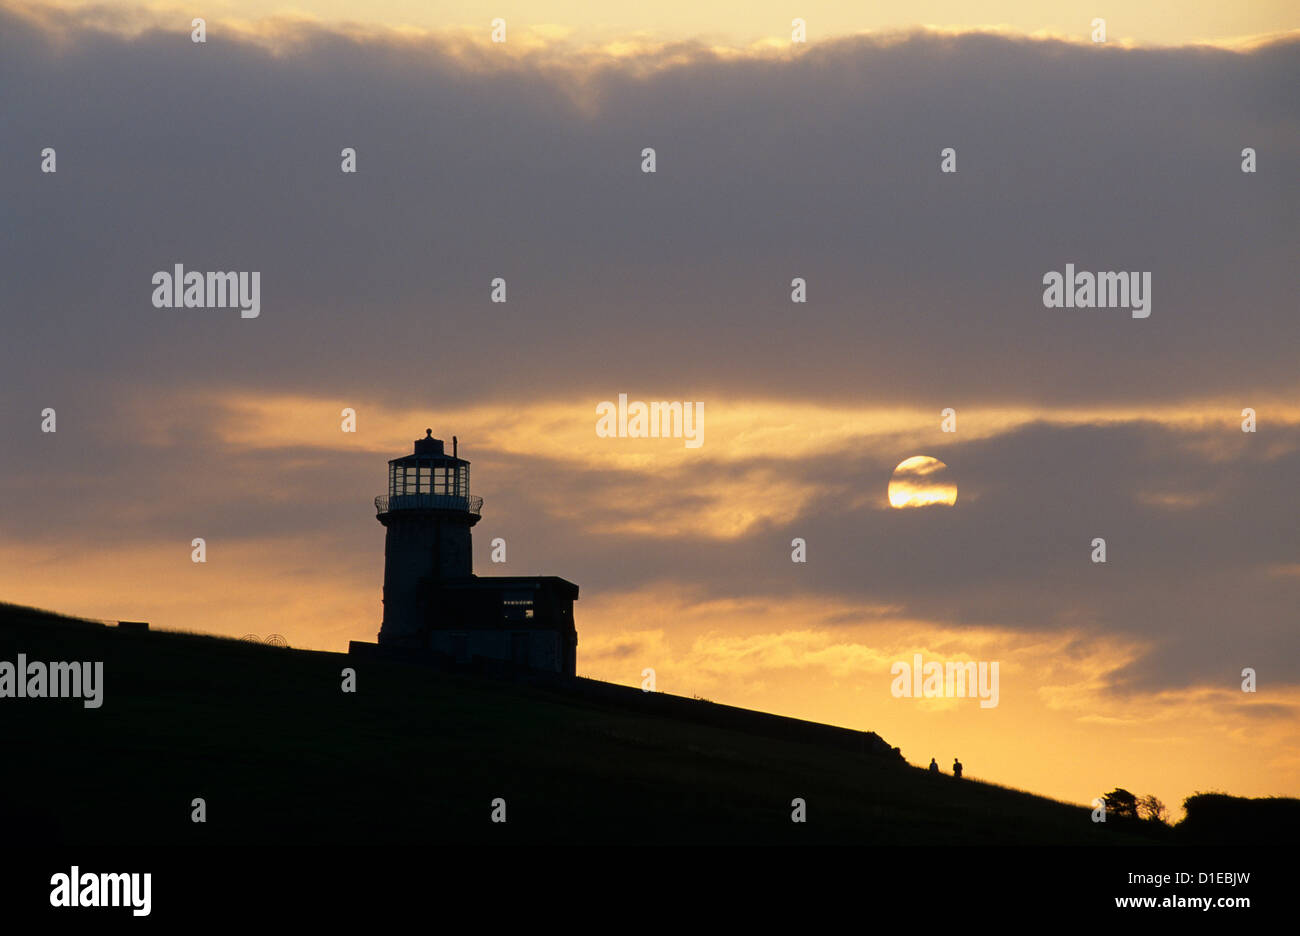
{"x": 428, "y": 512}
{"x": 433, "y": 601}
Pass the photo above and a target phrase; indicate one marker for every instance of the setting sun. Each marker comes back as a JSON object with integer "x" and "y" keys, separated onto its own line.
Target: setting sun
{"x": 921, "y": 481}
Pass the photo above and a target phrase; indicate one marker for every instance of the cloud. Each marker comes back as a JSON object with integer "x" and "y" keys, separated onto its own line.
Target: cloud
{"x": 923, "y": 287}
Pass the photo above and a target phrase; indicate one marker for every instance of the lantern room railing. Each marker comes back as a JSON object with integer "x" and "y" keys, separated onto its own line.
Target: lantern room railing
{"x": 385, "y": 503}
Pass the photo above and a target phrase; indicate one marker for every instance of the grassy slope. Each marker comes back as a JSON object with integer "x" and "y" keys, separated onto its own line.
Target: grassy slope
{"x": 282, "y": 755}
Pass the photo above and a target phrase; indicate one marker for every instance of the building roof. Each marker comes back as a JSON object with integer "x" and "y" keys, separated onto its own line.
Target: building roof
{"x": 518, "y": 582}
{"x": 427, "y": 449}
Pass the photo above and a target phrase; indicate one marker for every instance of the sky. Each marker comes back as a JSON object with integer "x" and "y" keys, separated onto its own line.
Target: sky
{"x": 743, "y": 23}
{"x": 819, "y": 160}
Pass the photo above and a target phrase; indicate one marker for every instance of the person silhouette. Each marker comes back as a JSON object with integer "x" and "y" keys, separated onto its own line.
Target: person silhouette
{"x": 956, "y": 767}
{"x": 934, "y": 766}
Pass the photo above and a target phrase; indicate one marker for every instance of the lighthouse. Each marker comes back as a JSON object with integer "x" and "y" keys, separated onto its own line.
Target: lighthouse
{"x": 428, "y": 513}
{"x": 433, "y": 601}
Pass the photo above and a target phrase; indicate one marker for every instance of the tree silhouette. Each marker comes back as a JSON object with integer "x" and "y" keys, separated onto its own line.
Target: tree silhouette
{"x": 1151, "y": 808}
{"x": 1120, "y": 802}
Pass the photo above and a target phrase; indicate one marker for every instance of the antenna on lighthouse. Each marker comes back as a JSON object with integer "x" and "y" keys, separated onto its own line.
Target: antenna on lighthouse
{"x": 453, "y": 446}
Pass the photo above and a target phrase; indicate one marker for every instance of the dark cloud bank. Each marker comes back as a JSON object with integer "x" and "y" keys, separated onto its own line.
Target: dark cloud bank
{"x": 922, "y": 285}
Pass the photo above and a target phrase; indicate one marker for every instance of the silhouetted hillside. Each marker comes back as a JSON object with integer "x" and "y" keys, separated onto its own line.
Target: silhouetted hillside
{"x": 280, "y": 754}
{"x": 1220, "y": 819}
{"x": 13, "y": 615}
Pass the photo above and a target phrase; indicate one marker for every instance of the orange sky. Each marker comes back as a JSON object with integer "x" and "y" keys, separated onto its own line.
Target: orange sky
{"x": 1058, "y": 730}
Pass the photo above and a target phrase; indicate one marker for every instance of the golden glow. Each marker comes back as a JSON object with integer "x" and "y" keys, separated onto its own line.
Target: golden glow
{"x": 735, "y": 428}
{"x": 921, "y": 481}
{"x": 831, "y": 662}
{"x": 759, "y": 437}
{"x": 623, "y": 28}
{"x": 818, "y": 657}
